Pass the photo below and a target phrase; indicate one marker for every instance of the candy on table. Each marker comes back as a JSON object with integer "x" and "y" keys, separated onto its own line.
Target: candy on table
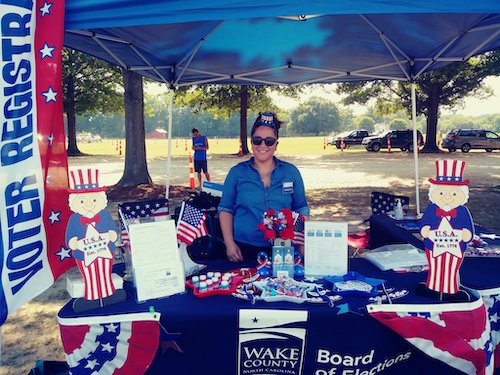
{"x": 224, "y": 284}
{"x": 202, "y": 287}
{"x": 195, "y": 280}
{"x": 203, "y": 277}
{"x": 210, "y": 284}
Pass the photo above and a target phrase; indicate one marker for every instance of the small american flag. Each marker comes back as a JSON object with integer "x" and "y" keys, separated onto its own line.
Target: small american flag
{"x": 134, "y": 210}
{"x": 298, "y": 228}
{"x": 191, "y": 224}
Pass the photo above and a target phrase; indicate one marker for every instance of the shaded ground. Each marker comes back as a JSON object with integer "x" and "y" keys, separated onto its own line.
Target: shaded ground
{"x": 338, "y": 188}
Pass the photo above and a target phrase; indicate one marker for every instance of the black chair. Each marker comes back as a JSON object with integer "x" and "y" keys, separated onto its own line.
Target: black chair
{"x": 383, "y": 203}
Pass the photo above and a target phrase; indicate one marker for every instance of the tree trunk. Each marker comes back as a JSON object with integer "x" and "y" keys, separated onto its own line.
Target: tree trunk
{"x": 136, "y": 168}
{"x": 71, "y": 117}
{"x": 243, "y": 119}
{"x": 430, "y": 146}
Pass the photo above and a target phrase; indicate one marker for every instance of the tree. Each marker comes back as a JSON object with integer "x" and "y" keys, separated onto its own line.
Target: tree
{"x": 398, "y": 124}
{"x": 366, "y": 123}
{"x": 136, "y": 168}
{"x": 446, "y": 87}
{"x": 224, "y": 100}
{"x": 90, "y": 86}
{"x": 315, "y": 116}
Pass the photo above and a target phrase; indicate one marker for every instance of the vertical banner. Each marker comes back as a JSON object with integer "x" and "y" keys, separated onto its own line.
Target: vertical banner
{"x": 34, "y": 166}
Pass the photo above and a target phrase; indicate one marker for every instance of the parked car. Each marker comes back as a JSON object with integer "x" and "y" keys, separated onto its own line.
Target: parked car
{"x": 402, "y": 139}
{"x": 352, "y": 137}
{"x": 467, "y": 139}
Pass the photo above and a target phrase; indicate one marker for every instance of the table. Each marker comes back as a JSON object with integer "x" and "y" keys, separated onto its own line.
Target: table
{"x": 226, "y": 335}
{"x": 386, "y": 231}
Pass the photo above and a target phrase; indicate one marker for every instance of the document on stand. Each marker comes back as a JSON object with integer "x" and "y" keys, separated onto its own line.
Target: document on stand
{"x": 153, "y": 242}
{"x": 157, "y": 266}
{"x": 325, "y": 248}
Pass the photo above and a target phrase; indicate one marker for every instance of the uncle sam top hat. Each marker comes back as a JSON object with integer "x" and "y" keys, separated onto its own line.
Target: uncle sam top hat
{"x": 85, "y": 181}
{"x": 449, "y": 172}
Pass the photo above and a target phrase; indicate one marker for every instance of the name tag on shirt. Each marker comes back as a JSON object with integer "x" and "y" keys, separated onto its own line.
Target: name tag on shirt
{"x": 287, "y": 187}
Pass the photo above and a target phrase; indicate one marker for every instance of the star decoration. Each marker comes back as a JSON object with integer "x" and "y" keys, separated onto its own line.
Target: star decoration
{"x": 91, "y": 364}
{"x": 446, "y": 239}
{"x": 255, "y": 320}
{"x": 46, "y": 51}
{"x": 494, "y": 318}
{"x": 50, "y": 95}
{"x": 63, "y": 253}
{"x": 54, "y": 216}
{"x": 46, "y": 8}
{"x": 107, "y": 347}
{"x": 111, "y": 327}
{"x": 94, "y": 245}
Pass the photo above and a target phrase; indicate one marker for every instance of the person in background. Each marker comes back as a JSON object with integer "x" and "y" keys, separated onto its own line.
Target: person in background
{"x": 263, "y": 182}
{"x": 200, "y": 147}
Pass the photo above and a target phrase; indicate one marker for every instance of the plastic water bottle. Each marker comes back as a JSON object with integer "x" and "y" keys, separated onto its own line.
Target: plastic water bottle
{"x": 398, "y": 210}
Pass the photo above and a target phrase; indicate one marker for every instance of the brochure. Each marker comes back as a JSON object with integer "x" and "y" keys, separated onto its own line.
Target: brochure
{"x": 325, "y": 248}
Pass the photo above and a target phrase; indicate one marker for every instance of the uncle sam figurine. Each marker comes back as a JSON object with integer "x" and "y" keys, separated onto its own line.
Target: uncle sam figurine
{"x": 446, "y": 227}
{"x": 90, "y": 234}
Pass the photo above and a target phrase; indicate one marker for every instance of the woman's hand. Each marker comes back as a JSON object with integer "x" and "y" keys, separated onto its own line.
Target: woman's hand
{"x": 233, "y": 252}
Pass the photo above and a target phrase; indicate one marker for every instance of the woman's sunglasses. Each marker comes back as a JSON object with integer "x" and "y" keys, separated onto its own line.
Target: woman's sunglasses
{"x": 257, "y": 141}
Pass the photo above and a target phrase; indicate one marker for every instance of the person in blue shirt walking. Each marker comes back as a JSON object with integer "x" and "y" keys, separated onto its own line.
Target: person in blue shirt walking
{"x": 200, "y": 147}
{"x": 254, "y": 186}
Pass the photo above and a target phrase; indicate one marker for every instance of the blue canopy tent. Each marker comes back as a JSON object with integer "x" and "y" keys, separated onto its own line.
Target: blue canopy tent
{"x": 278, "y": 42}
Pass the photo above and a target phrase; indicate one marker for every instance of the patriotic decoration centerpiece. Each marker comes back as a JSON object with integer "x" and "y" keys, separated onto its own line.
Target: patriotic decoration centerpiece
{"x": 282, "y": 225}
{"x": 446, "y": 227}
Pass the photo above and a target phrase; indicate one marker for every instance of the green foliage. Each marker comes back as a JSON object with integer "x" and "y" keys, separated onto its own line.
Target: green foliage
{"x": 315, "y": 117}
{"x": 398, "y": 124}
{"x": 90, "y": 85}
{"x": 222, "y": 101}
{"x": 365, "y": 122}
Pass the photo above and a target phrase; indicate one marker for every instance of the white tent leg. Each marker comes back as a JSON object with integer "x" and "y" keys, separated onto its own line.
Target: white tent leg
{"x": 415, "y": 144}
{"x": 169, "y": 152}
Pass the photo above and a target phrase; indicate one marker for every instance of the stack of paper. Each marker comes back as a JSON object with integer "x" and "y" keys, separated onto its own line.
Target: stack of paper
{"x": 397, "y": 257}
{"x": 157, "y": 268}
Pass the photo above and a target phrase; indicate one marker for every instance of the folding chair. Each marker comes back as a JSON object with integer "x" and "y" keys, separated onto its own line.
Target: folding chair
{"x": 383, "y": 203}
{"x": 130, "y": 211}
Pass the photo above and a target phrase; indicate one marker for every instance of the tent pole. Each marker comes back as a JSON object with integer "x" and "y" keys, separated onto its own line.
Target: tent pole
{"x": 169, "y": 148}
{"x": 415, "y": 144}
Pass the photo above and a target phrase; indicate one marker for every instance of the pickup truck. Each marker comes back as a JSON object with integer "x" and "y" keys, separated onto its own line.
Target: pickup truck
{"x": 353, "y": 137}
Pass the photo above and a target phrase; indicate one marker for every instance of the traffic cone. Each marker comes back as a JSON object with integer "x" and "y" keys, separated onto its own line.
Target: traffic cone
{"x": 388, "y": 144}
{"x": 324, "y": 143}
{"x": 240, "y": 153}
{"x": 120, "y": 152}
{"x": 185, "y": 145}
{"x": 191, "y": 172}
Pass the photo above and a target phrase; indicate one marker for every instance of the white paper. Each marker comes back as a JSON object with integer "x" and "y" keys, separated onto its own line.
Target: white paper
{"x": 156, "y": 282}
{"x": 325, "y": 248}
{"x": 158, "y": 270}
{"x": 153, "y": 242}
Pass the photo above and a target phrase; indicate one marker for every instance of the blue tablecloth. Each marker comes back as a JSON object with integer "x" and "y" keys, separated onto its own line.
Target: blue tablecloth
{"x": 226, "y": 335}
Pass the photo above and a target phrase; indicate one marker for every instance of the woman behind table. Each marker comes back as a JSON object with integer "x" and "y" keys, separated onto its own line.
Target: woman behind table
{"x": 263, "y": 182}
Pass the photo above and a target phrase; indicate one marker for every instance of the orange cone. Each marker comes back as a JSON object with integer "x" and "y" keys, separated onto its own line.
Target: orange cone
{"x": 191, "y": 172}
{"x": 324, "y": 143}
{"x": 240, "y": 153}
{"x": 120, "y": 152}
{"x": 185, "y": 145}
{"x": 388, "y": 144}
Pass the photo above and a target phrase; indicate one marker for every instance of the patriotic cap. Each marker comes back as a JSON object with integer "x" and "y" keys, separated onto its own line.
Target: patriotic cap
{"x": 449, "y": 172}
{"x": 85, "y": 181}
